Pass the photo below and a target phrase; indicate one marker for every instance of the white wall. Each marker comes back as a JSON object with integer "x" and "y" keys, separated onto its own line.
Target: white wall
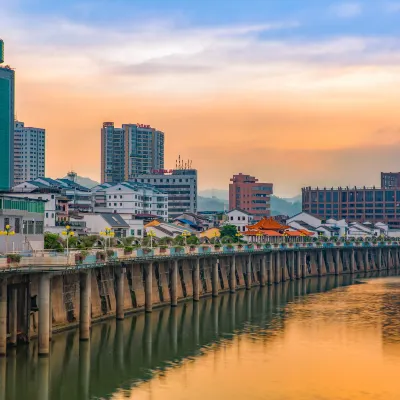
{"x": 305, "y": 217}
{"x": 239, "y": 219}
{"x": 136, "y": 226}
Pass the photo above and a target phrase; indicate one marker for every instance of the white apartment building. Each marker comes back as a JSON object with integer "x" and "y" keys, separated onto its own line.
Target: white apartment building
{"x": 180, "y": 186}
{"x": 240, "y": 219}
{"x": 130, "y": 198}
{"x": 29, "y": 152}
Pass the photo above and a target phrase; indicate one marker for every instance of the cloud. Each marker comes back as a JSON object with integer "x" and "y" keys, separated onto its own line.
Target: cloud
{"x": 347, "y": 10}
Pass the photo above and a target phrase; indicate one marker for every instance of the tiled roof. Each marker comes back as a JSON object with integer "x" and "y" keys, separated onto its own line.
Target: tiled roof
{"x": 267, "y": 224}
{"x": 114, "y": 220}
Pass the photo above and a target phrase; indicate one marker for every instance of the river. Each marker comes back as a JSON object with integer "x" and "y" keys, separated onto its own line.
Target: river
{"x": 326, "y": 338}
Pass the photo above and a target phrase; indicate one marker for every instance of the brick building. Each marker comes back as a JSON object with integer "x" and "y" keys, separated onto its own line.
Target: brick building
{"x": 246, "y": 193}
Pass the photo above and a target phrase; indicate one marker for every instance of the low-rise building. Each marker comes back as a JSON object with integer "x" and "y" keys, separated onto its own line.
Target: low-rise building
{"x": 239, "y": 218}
{"x": 130, "y": 198}
{"x": 25, "y": 218}
{"x": 99, "y": 222}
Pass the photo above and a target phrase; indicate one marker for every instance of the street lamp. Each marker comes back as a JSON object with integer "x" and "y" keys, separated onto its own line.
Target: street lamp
{"x": 108, "y": 233}
{"x": 238, "y": 235}
{"x": 151, "y": 234}
{"x": 7, "y": 232}
{"x": 68, "y": 233}
{"x": 186, "y": 234}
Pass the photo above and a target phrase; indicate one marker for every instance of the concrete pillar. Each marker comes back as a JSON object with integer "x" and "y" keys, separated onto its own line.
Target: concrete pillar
{"x": 379, "y": 258}
{"x": 277, "y": 272}
{"x": 304, "y": 270}
{"x": 366, "y": 260}
{"x": 298, "y": 265}
{"x": 292, "y": 266}
{"x": 196, "y": 280}
{"x": 148, "y": 288}
{"x": 119, "y": 295}
{"x": 174, "y": 284}
{"x": 214, "y": 280}
{"x": 263, "y": 269}
{"x": 44, "y": 310}
{"x": 320, "y": 262}
{"x": 337, "y": 262}
{"x": 284, "y": 269}
{"x": 85, "y": 304}
{"x": 269, "y": 269}
{"x": 3, "y": 317}
{"x": 248, "y": 273}
{"x": 13, "y": 316}
{"x": 352, "y": 261}
{"x": 232, "y": 275}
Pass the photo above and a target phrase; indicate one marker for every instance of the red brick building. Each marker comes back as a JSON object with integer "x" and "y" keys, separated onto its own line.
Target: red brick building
{"x": 246, "y": 193}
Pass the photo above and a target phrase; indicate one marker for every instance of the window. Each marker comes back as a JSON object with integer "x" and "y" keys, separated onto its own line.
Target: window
{"x": 243, "y": 218}
{"x": 17, "y": 227}
{"x": 39, "y": 227}
{"x": 47, "y": 215}
{"x": 389, "y": 195}
{"x": 379, "y": 195}
{"x": 231, "y": 218}
{"x": 139, "y": 232}
{"x": 238, "y": 218}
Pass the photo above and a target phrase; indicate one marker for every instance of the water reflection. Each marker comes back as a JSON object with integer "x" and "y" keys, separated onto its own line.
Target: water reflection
{"x": 122, "y": 357}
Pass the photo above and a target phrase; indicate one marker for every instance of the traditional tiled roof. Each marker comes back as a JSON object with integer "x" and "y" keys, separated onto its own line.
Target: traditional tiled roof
{"x": 256, "y": 232}
{"x": 152, "y": 223}
{"x": 267, "y": 224}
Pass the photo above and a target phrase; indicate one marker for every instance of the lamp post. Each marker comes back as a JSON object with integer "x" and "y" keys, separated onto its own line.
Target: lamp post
{"x": 259, "y": 234}
{"x": 151, "y": 234}
{"x": 185, "y": 235}
{"x": 68, "y": 233}
{"x": 238, "y": 235}
{"x": 7, "y": 232}
{"x": 108, "y": 233}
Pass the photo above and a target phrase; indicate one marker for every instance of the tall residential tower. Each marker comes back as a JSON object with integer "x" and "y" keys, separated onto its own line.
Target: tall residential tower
{"x": 7, "y": 80}
{"x": 29, "y": 153}
{"x": 130, "y": 151}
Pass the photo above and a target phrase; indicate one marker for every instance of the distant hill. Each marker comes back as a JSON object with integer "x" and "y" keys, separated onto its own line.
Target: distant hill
{"x": 87, "y": 182}
{"x": 218, "y": 193}
{"x": 211, "y": 204}
{"x": 280, "y": 206}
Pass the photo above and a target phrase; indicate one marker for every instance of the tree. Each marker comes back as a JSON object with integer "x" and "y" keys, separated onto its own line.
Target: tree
{"x": 228, "y": 230}
{"x": 53, "y": 242}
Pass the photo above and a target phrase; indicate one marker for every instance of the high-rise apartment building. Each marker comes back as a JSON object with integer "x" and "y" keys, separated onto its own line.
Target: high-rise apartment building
{"x": 130, "y": 151}
{"x": 7, "y": 80}
{"x": 29, "y": 153}
{"x": 390, "y": 180}
{"x": 247, "y": 194}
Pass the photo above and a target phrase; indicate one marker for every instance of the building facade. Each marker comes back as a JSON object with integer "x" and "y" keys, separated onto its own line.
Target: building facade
{"x": 130, "y": 151}
{"x": 130, "y": 198}
{"x": 25, "y": 218}
{"x": 354, "y": 204}
{"x": 247, "y": 194}
{"x": 179, "y": 184}
{"x": 390, "y": 180}
{"x": 29, "y": 153}
{"x": 240, "y": 219}
{"x": 7, "y": 98}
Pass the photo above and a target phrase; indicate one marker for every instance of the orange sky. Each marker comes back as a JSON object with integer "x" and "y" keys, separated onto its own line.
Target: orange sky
{"x": 285, "y": 118}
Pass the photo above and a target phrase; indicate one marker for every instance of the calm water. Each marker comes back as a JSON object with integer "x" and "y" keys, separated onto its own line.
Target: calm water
{"x": 314, "y": 339}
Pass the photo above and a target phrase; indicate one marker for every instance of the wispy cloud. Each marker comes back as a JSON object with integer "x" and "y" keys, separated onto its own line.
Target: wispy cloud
{"x": 347, "y": 10}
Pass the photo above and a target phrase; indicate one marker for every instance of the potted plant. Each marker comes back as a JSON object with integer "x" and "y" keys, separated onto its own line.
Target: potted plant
{"x": 101, "y": 256}
{"x": 267, "y": 245}
{"x": 259, "y": 246}
{"x": 217, "y": 246}
{"x": 146, "y": 250}
{"x": 240, "y": 246}
{"x": 13, "y": 258}
{"x": 276, "y": 245}
{"x": 250, "y": 246}
{"x": 128, "y": 250}
{"x": 229, "y": 246}
{"x": 192, "y": 247}
{"x": 110, "y": 253}
{"x": 205, "y": 247}
{"x": 178, "y": 249}
{"x": 290, "y": 244}
{"x": 163, "y": 249}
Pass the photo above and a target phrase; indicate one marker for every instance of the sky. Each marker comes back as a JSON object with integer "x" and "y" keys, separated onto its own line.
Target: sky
{"x": 296, "y": 92}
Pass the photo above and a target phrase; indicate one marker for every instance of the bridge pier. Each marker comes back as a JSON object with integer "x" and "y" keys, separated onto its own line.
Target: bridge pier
{"x": 337, "y": 261}
{"x": 298, "y": 265}
{"x": 320, "y": 262}
{"x": 263, "y": 270}
{"x": 174, "y": 284}
{"x": 379, "y": 259}
{"x": 3, "y": 317}
{"x": 304, "y": 271}
{"x": 148, "y": 288}
{"x": 214, "y": 279}
{"x": 277, "y": 268}
{"x": 292, "y": 266}
{"x": 85, "y": 304}
{"x": 44, "y": 311}
{"x": 232, "y": 275}
{"x": 352, "y": 261}
{"x": 13, "y": 313}
{"x": 196, "y": 280}
{"x": 248, "y": 273}
{"x": 119, "y": 295}
{"x": 270, "y": 278}
{"x": 366, "y": 260}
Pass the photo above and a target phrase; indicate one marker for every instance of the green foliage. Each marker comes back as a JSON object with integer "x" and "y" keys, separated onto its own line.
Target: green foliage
{"x": 53, "y": 242}
{"x": 228, "y": 230}
{"x": 193, "y": 240}
{"x": 178, "y": 249}
{"x": 227, "y": 239}
{"x": 14, "y": 258}
{"x": 110, "y": 253}
{"x": 217, "y": 246}
{"x": 166, "y": 241}
{"x": 84, "y": 253}
{"x": 128, "y": 249}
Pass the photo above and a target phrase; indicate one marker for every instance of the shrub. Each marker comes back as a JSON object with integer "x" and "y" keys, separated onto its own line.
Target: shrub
{"x": 128, "y": 249}
{"x": 13, "y": 258}
{"x": 229, "y": 246}
{"x": 178, "y": 249}
{"x": 217, "y": 246}
{"x": 101, "y": 255}
{"x": 146, "y": 250}
{"x": 110, "y": 253}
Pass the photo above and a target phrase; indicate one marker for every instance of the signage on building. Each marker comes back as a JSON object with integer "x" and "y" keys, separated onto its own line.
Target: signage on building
{"x": 143, "y": 126}
{"x": 162, "y": 171}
